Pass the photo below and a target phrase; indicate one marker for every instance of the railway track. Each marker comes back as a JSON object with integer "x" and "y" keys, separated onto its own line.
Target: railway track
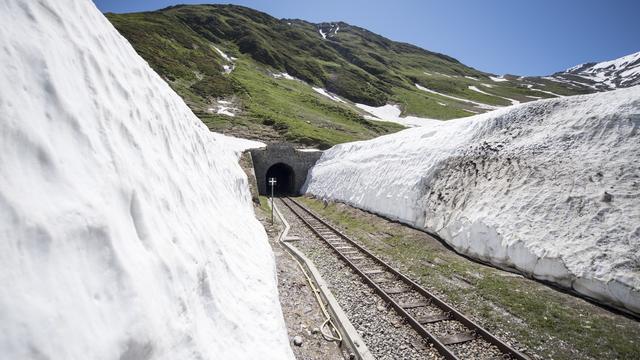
{"x": 436, "y": 321}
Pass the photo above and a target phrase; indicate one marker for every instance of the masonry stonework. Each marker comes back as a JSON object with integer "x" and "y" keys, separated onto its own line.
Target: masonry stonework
{"x": 299, "y": 161}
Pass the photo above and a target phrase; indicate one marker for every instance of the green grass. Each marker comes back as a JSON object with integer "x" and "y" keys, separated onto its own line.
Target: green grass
{"x": 265, "y": 204}
{"x": 302, "y": 115}
{"x": 428, "y": 105}
{"x": 272, "y": 109}
{"x": 550, "y": 323}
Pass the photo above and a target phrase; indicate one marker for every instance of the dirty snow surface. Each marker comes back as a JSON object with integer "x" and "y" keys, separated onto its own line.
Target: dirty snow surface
{"x": 551, "y": 188}
{"x": 127, "y": 229}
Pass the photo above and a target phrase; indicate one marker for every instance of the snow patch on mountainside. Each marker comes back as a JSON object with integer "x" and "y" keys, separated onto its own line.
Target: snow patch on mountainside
{"x": 328, "y": 94}
{"x": 283, "y": 75}
{"x": 224, "y": 107}
{"x": 498, "y": 79}
{"x": 228, "y": 68}
{"x": 475, "y": 103}
{"x": 547, "y": 92}
{"x": 223, "y": 54}
{"x": 606, "y": 75}
{"x": 328, "y": 30}
{"x": 550, "y": 188}
{"x": 127, "y": 227}
{"x": 393, "y": 113}
{"x": 475, "y": 88}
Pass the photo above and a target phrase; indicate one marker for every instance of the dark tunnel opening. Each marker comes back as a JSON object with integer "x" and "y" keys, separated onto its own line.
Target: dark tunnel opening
{"x": 285, "y": 179}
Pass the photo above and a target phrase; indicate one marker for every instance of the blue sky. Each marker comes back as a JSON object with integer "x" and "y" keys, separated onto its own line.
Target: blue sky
{"x": 523, "y": 37}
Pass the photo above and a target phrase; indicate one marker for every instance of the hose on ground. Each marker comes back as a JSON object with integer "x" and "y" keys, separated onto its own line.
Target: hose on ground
{"x": 333, "y": 329}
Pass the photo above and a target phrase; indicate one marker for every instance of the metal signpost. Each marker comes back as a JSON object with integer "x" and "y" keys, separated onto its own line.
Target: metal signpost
{"x": 272, "y": 182}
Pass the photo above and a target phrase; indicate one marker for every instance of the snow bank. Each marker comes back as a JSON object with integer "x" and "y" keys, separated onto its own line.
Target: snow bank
{"x": 551, "y": 188}
{"x": 127, "y": 229}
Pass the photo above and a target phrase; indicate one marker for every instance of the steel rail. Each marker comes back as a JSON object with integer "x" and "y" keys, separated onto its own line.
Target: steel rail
{"x": 452, "y": 313}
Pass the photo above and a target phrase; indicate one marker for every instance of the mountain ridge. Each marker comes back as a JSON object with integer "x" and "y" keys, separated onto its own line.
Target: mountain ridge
{"x": 605, "y": 75}
{"x": 249, "y": 74}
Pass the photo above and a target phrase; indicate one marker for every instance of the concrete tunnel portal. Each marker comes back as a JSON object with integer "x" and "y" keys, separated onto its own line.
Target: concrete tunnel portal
{"x": 287, "y": 164}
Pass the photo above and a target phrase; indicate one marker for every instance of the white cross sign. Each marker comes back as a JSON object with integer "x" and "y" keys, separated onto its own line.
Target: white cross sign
{"x": 272, "y": 182}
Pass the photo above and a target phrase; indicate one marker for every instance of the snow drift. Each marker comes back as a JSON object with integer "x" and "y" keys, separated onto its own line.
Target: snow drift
{"x": 127, "y": 229}
{"x": 551, "y": 188}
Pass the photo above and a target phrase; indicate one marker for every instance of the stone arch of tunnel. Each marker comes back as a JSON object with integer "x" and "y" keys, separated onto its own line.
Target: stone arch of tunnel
{"x": 285, "y": 179}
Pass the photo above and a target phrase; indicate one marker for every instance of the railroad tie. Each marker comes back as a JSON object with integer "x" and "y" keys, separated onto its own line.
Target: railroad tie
{"x": 433, "y": 318}
{"x": 397, "y": 290}
{"x": 385, "y": 280}
{"x": 356, "y": 258}
{"x": 373, "y": 271}
{"x": 350, "y": 252}
{"x": 412, "y": 305}
{"x": 457, "y": 338}
{"x": 343, "y": 247}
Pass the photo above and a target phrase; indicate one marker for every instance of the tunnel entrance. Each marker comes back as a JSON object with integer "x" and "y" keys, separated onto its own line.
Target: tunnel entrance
{"x": 290, "y": 167}
{"x": 285, "y": 179}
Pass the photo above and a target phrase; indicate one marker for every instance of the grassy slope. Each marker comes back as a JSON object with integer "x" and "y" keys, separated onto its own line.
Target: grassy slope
{"x": 273, "y": 109}
{"x": 360, "y": 66}
{"x": 549, "y": 324}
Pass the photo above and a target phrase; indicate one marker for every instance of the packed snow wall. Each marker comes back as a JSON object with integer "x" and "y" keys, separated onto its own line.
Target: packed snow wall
{"x": 550, "y": 188}
{"x": 126, "y": 226}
